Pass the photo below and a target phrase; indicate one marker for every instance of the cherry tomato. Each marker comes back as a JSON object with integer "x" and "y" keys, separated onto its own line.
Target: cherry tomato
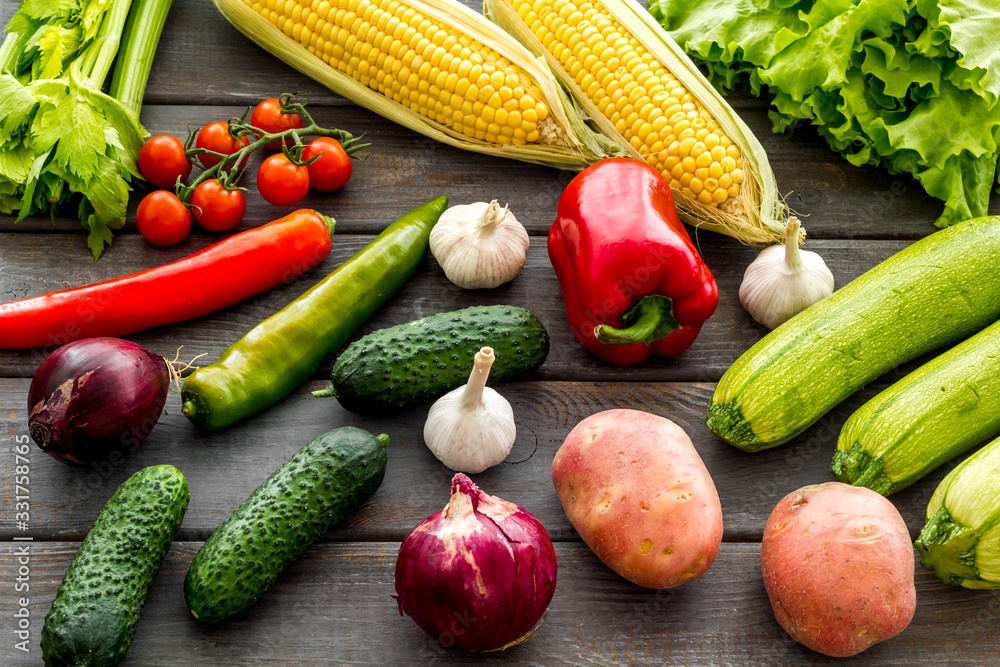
{"x": 162, "y": 161}
{"x": 216, "y": 208}
{"x": 282, "y": 183}
{"x": 268, "y": 117}
{"x": 331, "y": 171}
{"x": 162, "y": 218}
{"x": 215, "y": 137}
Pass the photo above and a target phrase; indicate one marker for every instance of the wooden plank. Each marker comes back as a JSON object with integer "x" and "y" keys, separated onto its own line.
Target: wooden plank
{"x": 33, "y": 264}
{"x": 224, "y": 467}
{"x": 333, "y": 606}
{"x": 199, "y": 51}
{"x": 405, "y": 169}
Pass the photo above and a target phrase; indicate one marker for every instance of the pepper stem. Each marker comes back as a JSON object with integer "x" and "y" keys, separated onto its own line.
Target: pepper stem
{"x": 331, "y": 224}
{"x": 647, "y": 321}
{"x": 493, "y": 217}
{"x": 793, "y": 258}
{"x": 473, "y": 393}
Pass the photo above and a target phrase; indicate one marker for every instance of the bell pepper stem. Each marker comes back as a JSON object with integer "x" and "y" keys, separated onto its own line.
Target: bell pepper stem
{"x": 647, "y": 321}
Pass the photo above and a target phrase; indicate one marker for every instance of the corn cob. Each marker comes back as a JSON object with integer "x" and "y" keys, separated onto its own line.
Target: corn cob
{"x": 961, "y": 539}
{"x": 435, "y": 67}
{"x": 637, "y": 86}
{"x": 440, "y": 69}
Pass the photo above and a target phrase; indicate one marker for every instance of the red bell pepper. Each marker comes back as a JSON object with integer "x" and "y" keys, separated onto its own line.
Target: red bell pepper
{"x": 233, "y": 269}
{"x": 633, "y": 282}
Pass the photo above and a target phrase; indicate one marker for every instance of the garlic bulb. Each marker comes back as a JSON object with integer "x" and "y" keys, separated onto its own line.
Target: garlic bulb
{"x": 783, "y": 280}
{"x": 479, "y": 245}
{"x": 471, "y": 428}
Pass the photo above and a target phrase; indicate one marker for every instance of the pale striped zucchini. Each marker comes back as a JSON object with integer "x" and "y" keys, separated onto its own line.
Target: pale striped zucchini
{"x": 939, "y": 290}
{"x": 935, "y": 413}
{"x": 961, "y": 540}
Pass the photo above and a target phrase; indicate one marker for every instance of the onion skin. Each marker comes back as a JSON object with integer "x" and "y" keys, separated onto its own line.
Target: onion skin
{"x": 95, "y": 396}
{"x": 479, "y": 574}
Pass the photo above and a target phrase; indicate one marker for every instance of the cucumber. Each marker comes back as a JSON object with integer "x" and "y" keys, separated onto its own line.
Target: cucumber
{"x": 93, "y": 616}
{"x": 935, "y": 413}
{"x": 326, "y": 481}
{"x": 396, "y": 367}
{"x": 939, "y": 290}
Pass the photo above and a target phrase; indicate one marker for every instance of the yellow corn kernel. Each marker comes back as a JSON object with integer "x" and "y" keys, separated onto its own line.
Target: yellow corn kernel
{"x": 644, "y": 101}
{"x": 429, "y": 67}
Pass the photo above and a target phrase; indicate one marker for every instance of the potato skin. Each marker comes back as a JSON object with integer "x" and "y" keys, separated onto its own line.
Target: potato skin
{"x": 635, "y": 489}
{"x": 838, "y": 567}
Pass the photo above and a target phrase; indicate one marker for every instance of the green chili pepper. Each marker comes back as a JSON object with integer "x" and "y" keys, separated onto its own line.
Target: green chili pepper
{"x": 283, "y": 351}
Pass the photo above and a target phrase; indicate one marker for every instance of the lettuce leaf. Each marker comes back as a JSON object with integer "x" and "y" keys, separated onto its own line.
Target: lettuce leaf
{"x": 912, "y": 86}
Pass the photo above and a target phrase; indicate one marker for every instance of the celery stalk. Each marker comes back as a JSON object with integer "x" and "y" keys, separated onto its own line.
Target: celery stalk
{"x": 100, "y": 55}
{"x": 8, "y": 52}
{"x": 135, "y": 58}
{"x": 56, "y": 119}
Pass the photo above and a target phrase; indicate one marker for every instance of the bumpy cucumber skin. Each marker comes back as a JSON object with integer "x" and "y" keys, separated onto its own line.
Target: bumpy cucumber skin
{"x": 324, "y": 482}
{"x": 283, "y": 351}
{"x": 396, "y": 367}
{"x": 93, "y": 617}
{"x": 939, "y": 290}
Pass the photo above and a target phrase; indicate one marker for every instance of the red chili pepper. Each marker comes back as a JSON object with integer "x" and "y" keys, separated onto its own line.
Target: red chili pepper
{"x": 624, "y": 260}
{"x": 234, "y": 269}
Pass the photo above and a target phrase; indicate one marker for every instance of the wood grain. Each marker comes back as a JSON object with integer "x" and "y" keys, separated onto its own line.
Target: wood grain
{"x": 333, "y": 606}
{"x": 836, "y": 199}
{"x": 224, "y": 467}
{"x": 404, "y": 169}
{"x": 33, "y": 264}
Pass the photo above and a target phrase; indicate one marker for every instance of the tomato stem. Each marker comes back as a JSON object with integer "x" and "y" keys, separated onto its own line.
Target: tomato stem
{"x": 238, "y": 129}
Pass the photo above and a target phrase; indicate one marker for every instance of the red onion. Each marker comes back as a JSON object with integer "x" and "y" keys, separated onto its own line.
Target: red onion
{"x": 479, "y": 573}
{"x": 95, "y": 396}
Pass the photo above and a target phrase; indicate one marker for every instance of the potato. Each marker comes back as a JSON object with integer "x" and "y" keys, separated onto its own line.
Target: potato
{"x": 639, "y": 495}
{"x": 838, "y": 568}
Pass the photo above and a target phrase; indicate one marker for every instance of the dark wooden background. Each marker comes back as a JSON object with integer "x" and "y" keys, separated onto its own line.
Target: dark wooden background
{"x": 333, "y": 605}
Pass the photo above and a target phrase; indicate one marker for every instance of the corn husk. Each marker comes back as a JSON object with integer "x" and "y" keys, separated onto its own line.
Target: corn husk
{"x": 587, "y": 137}
{"x": 582, "y": 145}
{"x": 961, "y": 540}
{"x": 760, "y": 215}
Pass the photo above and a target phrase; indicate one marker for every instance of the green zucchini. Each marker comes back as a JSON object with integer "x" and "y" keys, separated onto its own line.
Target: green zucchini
{"x": 935, "y": 413}
{"x": 326, "y": 481}
{"x": 392, "y": 368}
{"x": 961, "y": 539}
{"x": 939, "y": 290}
{"x": 93, "y": 617}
